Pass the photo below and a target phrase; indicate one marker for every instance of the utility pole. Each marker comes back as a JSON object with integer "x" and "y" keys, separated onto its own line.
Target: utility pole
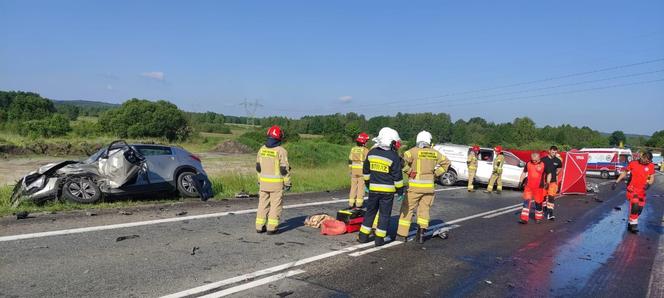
{"x": 250, "y": 108}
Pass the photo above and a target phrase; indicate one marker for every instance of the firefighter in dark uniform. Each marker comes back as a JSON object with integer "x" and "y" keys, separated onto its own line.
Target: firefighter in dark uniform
{"x": 383, "y": 177}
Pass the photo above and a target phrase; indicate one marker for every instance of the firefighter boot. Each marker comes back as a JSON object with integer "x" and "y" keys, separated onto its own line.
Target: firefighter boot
{"x": 633, "y": 228}
{"x": 420, "y": 235}
{"x": 379, "y": 241}
{"x": 262, "y": 230}
{"x": 362, "y": 238}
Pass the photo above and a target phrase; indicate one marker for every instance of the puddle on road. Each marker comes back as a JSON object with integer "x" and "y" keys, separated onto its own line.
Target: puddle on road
{"x": 584, "y": 254}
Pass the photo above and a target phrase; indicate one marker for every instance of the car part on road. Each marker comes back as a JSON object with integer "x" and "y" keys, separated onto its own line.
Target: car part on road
{"x": 22, "y": 215}
{"x": 123, "y": 238}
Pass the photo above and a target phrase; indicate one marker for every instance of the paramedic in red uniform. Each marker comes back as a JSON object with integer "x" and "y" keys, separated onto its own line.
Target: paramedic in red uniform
{"x": 552, "y": 166}
{"x": 643, "y": 175}
{"x": 534, "y": 188}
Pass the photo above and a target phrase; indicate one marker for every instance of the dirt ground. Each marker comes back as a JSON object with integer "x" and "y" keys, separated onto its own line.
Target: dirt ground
{"x": 216, "y": 164}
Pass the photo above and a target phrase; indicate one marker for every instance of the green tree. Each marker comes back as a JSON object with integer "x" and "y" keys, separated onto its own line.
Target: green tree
{"x": 143, "y": 118}
{"x": 656, "y": 140}
{"x": 617, "y": 137}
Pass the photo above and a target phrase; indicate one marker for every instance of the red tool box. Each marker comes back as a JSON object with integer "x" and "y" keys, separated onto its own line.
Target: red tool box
{"x": 353, "y": 219}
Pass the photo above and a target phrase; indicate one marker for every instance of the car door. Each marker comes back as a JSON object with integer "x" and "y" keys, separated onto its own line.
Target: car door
{"x": 484, "y": 165}
{"x": 159, "y": 160}
{"x": 512, "y": 169}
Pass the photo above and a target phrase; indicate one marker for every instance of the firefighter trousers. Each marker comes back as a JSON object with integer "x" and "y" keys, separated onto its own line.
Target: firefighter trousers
{"x": 378, "y": 201}
{"x": 356, "y": 196}
{"x": 421, "y": 201}
{"x": 471, "y": 178}
{"x": 269, "y": 209}
{"x": 495, "y": 178}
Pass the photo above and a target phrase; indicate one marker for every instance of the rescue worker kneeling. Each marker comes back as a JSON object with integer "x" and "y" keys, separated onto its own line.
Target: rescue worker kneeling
{"x": 422, "y": 165}
{"x": 274, "y": 178}
{"x": 383, "y": 177}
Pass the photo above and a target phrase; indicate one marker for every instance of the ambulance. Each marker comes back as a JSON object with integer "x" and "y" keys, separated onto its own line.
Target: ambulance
{"x": 607, "y": 162}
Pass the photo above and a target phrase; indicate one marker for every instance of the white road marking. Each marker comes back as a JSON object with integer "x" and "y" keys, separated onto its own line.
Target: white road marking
{"x": 435, "y": 229}
{"x": 229, "y": 281}
{"x": 395, "y": 243}
{"x": 503, "y": 212}
{"x": 253, "y": 284}
{"x": 225, "y": 282}
{"x": 160, "y": 221}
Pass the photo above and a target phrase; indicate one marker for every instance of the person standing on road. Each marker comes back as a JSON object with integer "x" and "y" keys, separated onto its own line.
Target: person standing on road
{"x": 643, "y": 176}
{"x": 534, "y": 188}
{"x": 383, "y": 177}
{"x": 472, "y": 166}
{"x": 497, "y": 174}
{"x": 355, "y": 162}
{"x": 552, "y": 167}
{"x": 274, "y": 178}
{"x": 422, "y": 165}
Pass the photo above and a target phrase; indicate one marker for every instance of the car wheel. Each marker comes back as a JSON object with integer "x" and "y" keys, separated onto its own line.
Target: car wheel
{"x": 449, "y": 178}
{"x": 604, "y": 175}
{"x": 81, "y": 190}
{"x": 186, "y": 185}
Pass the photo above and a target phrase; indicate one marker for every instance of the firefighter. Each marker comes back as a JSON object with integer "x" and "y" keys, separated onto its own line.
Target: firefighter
{"x": 497, "y": 174}
{"x": 274, "y": 178}
{"x": 552, "y": 166}
{"x": 534, "y": 188}
{"x": 472, "y": 166}
{"x": 422, "y": 165}
{"x": 643, "y": 176}
{"x": 383, "y": 177}
{"x": 355, "y": 162}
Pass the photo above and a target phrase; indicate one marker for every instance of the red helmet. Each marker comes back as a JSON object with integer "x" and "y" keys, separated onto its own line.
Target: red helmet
{"x": 362, "y": 138}
{"x": 498, "y": 149}
{"x": 476, "y": 148}
{"x": 275, "y": 132}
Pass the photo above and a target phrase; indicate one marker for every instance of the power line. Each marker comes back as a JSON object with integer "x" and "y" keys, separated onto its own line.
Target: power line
{"x": 565, "y": 76}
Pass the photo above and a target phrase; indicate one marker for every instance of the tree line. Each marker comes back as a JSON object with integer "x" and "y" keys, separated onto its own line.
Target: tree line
{"x": 32, "y": 115}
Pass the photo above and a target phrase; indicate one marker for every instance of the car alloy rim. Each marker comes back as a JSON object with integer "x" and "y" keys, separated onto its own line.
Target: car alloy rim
{"x": 82, "y": 189}
{"x": 447, "y": 178}
{"x": 188, "y": 183}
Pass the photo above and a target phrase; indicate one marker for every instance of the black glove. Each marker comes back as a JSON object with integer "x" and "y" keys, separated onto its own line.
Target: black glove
{"x": 614, "y": 185}
{"x": 647, "y": 186}
{"x": 287, "y": 187}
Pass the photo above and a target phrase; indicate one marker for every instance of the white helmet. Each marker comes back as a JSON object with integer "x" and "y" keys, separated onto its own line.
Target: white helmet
{"x": 423, "y": 137}
{"x": 385, "y": 138}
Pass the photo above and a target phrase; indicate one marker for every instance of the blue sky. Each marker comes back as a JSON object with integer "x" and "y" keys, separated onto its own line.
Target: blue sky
{"x": 593, "y": 63}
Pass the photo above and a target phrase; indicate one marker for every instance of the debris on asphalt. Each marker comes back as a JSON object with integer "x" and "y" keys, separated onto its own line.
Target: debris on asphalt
{"x": 22, "y": 215}
{"x": 122, "y": 238}
{"x": 585, "y": 258}
{"x": 90, "y": 213}
{"x": 123, "y": 212}
{"x": 551, "y": 231}
{"x": 488, "y": 282}
{"x": 510, "y": 285}
{"x": 194, "y": 250}
{"x": 181, "y": 213}
{"x": 39, "y": 247}
{"x": 617, "y": 208}
{"x": 293, "y": 242}
{"x": 285, "y": 293}
{"x": 597, "y": 199}
{"x": 242, "y": 195}
{"x": 278, "y": 243}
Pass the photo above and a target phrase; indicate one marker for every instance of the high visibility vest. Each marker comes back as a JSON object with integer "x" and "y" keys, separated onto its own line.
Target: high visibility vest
{"x": 274, "y": 168}
{"x": 356, "y": 160}
{"x": 426, "y": 163}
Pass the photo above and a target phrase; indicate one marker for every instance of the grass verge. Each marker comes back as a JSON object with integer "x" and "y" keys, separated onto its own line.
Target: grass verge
{"x": 305, "y": 179}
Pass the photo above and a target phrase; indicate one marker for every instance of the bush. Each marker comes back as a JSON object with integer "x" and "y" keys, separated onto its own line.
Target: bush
{"x": 138, "y": 118}
{"x": 253, "y": 139}
{"x": 56, "y": 125}
{"x": 213, "y": 127}
{"x": 86, "y": 129}
{"x": 338, "y": 138}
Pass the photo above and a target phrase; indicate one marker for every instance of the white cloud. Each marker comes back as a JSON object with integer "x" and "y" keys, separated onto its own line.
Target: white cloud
{"x": 157, "y": 75}
{"x": 346, "y": 98}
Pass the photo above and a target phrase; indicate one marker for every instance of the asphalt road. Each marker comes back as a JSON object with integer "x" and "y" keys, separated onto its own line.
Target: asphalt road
{"x": 213, "y": 250}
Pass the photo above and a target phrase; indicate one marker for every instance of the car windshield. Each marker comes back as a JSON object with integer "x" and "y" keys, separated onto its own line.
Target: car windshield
{"x": 94, "y": 156}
